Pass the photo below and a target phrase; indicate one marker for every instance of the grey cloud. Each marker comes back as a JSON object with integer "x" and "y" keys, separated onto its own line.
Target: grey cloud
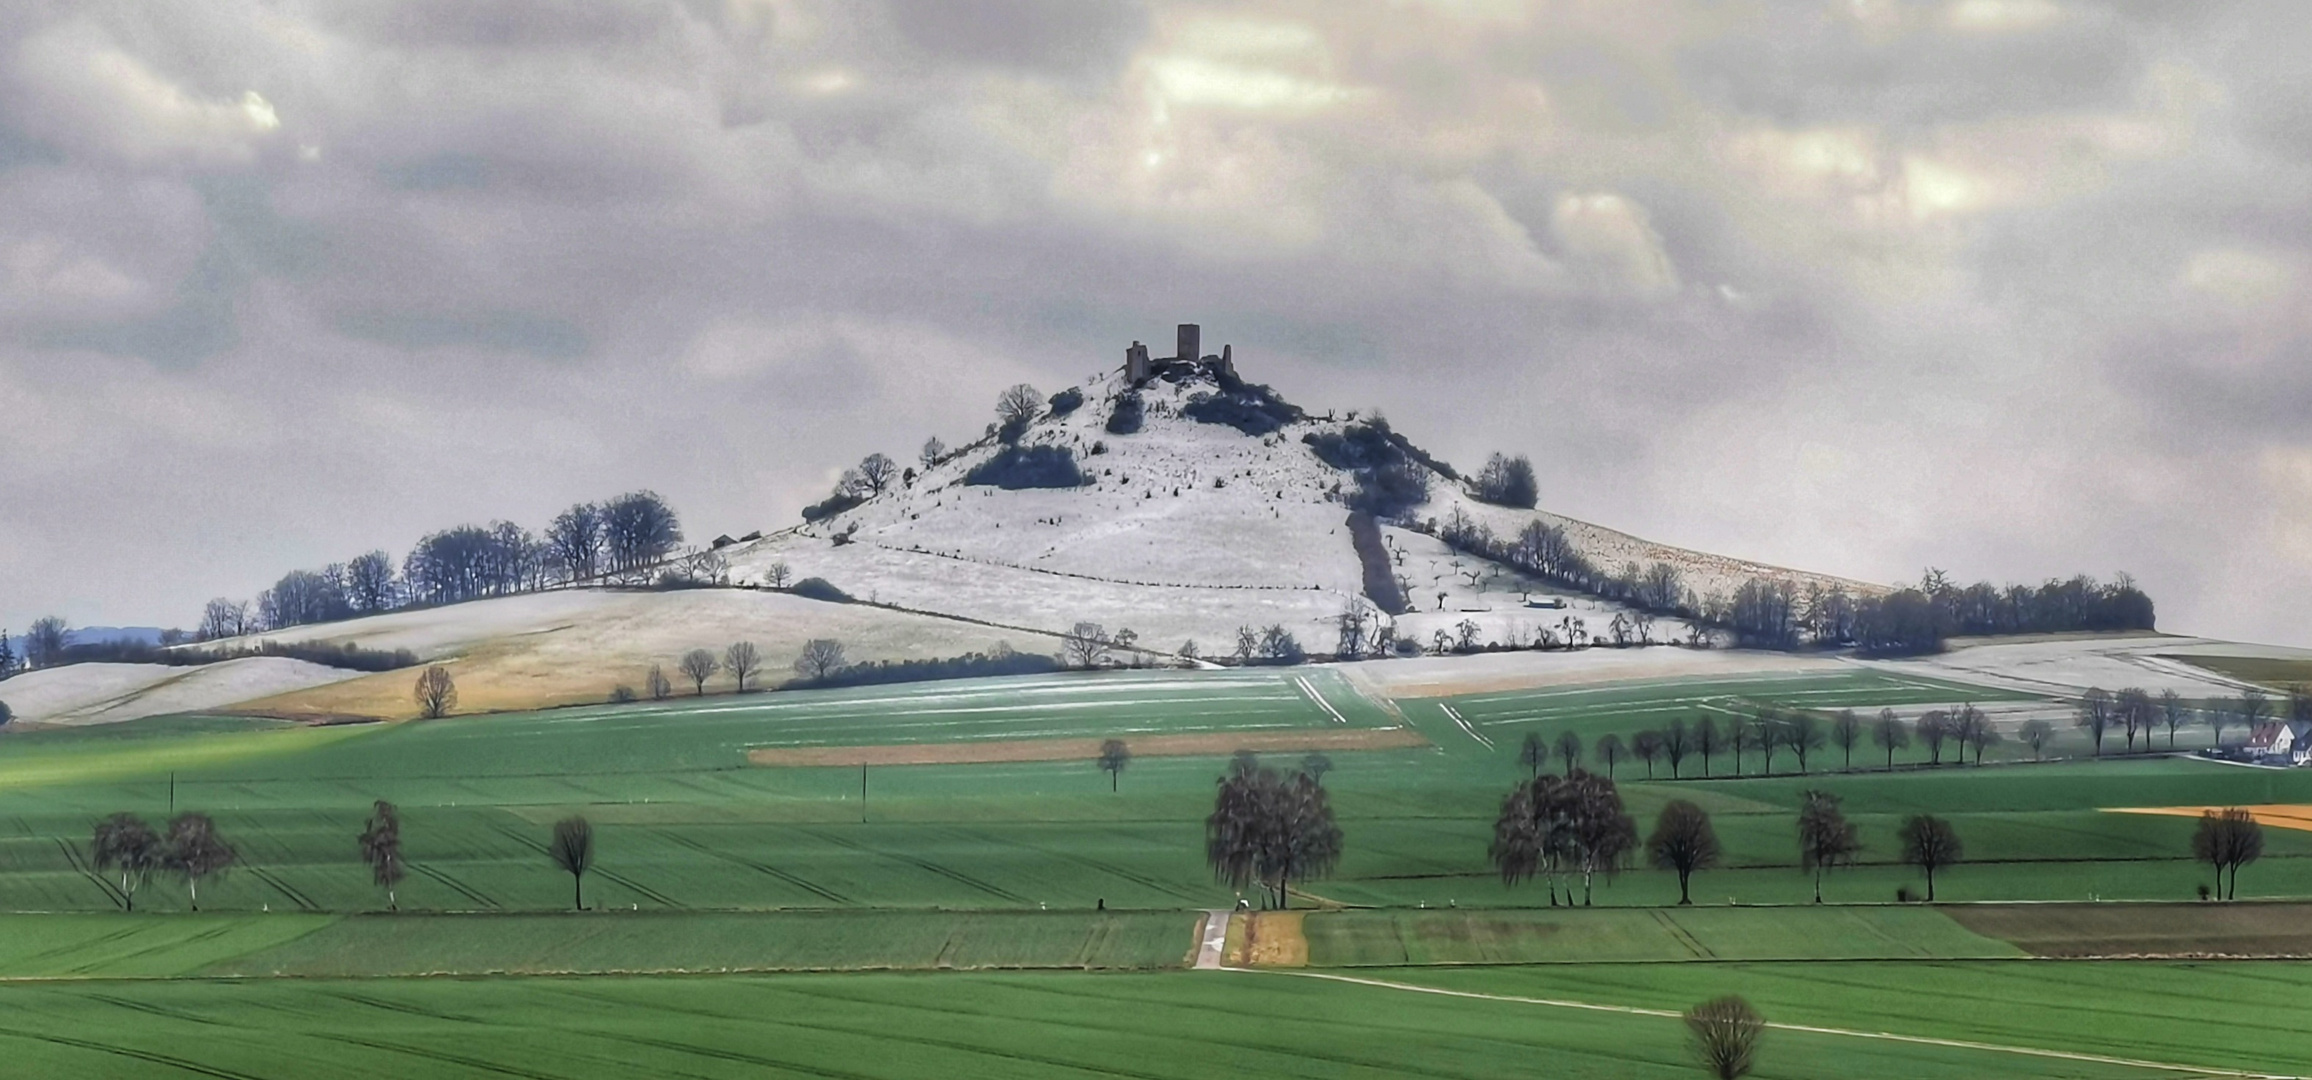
{"x": 1068, "y": 37}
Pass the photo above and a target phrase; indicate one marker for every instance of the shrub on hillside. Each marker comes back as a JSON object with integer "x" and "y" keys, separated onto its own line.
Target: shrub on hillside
{"x": 1066, "y": 401}
{"x": 1253, "y": 410}
{"x": 1507, "y": 481}
{"x": 1391, "y": 490}
{"x": 1017, "y": 467}
{"x": 968, "y": 666}
{"x": 832, "y": 505}
{"x": 1126, "y": 417}
{"x": 819, "y": 588}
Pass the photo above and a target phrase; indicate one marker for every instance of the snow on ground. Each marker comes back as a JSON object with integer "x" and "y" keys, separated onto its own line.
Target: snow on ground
{"x": 443, "y": 631}
{"x": 1444, "y": 676}
{"x": 2067, "y": 668}
{"x": 110, "y": 693}
{"x": 581, "y": 653}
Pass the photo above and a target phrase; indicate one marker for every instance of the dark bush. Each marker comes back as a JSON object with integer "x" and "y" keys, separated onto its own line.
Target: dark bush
{"x": 1016, "y": 467}
{"x": 1508, "y": 481}
{"x": 1391, "y": 490}
{"x": 1126, "y": 417}
{"x": 349, "y": 657}
{"x": 819, "y": 588}
{"x": 1066, "y": 401}
{"x": 968, "y": 666}
{"x": 1253, "y": 410}
{"x": 831, "y": 506}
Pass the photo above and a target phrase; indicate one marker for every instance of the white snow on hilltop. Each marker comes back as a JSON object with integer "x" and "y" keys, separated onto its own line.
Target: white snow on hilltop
{"x": 110, "y": 693}
{"x": 1186, "y": 532}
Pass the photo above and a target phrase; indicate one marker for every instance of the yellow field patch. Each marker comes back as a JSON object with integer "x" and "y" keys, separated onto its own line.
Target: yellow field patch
{"x": 2276, "y": 815}
{"x": 1198, "y": 744}
{"x": 1274, "y": 939}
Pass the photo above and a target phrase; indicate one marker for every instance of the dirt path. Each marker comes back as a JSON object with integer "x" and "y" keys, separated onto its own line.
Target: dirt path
{"x": 1214, "y": 940}
{"x": 1919, "y": 1040}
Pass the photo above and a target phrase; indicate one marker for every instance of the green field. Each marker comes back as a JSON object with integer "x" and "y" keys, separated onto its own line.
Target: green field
{"x": 732, "y": 874}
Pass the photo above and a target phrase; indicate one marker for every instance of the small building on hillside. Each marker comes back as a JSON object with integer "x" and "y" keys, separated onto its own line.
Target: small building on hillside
{"x": 1185, "y": 362}
{"x": 2281, "y": 742}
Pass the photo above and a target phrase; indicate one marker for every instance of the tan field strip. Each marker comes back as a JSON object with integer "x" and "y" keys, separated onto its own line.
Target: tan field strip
{"x": 1198, "y": 744}
{"x": 2276, "y": 815}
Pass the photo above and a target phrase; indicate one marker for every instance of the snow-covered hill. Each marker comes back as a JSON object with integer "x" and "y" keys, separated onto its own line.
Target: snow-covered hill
{"x": 1187, "y": 530}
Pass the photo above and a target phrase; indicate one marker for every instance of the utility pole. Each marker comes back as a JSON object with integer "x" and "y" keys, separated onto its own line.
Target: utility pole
{"x": 172, "y": 793}
{"x": 862, "y": 793}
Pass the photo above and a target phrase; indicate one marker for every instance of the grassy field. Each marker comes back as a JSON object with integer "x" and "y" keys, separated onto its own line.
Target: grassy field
{"x": 2271, "y": 671}
{"x": 706, "y": 864}
{"x": 1151, "y": 1026}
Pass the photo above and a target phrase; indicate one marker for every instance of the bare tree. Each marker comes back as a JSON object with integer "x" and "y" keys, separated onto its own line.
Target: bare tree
{"x": 123, "y": 842}
{"x": 1533, "y": 753}
{"x": 933, "y": 452}
{"x": 2254, "y": 708}
{"x": 1683, "y": 841}
{"x": 193, "y": 851}
{"x": 1017, "y": 407}
{"x": 1675, "y": 744}
{"x": 657, "y": 685}
{"x": 574, "y": 539}
{"x": 1609, "y": 751}
{"x": 778, "y": 574}
{"x": 369, "y": 582}
{"x": 2095, "y": 713}
{"x": 436, "y": 693}
{"x": 1825, "y": 838}
{"x": 1929, "y": 843}
{"x": 2134, "y": 708}
{"x": 2227, "y": 840}
{"x": 1726, "y": 1034}
{"x": 821, "y": 657}
{"x": 1316, "y": 766}
{"x": 1086, "y": 645}
{"x": 742, "y": 660}
{"x": 1890, "y": 734}
{"x": 2036, "y": 733}
{"x": 44, "y": 643}
{"x": 381, "y": 849}
{"x": 1646, "y": 746}
{"x": 2173, "y": 714}
{"x": 1569, "y": 751}
{"x": 1706, "y": 741}
{"x": 1114, "y": 756}
{"x": 572, "y": 849}
{"x": 699, "y": 665}
{"x": 879, "y": 473}
{"x": 1934, "y": 730}
{"x": 222, "y": 618}
{"x": 1803, "y": 735}
{"x": 1846, "y": 732}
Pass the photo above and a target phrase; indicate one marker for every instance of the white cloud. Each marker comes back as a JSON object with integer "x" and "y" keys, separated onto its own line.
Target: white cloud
{"x": 77, "y": 86}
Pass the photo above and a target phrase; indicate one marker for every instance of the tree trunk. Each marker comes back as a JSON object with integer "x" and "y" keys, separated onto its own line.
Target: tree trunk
{"x": 1685, "y": 898}
{"x": 577, "y": 892}
{"x": 391, "y": 903}
{"x": 1114, "y": 778}
{"x": 1930, "y": 884}
{"x": 1818, "y": 886}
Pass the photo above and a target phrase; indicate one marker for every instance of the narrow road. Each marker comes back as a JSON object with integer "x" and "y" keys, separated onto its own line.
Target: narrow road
{"x": 1208, "y": 952}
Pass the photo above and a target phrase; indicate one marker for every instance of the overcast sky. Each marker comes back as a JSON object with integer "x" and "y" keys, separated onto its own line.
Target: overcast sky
{"x": 2017, "y": 288}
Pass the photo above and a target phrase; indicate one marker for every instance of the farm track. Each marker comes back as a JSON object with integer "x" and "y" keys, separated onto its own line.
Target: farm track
{"x": 957, "y": 876}
{"x": 796, "y": 880}
{"x": 606, "y": 875}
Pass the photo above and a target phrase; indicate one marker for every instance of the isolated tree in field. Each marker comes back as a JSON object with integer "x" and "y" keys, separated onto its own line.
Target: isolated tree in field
{"x": 1846, "y": 734}
{"x": 820, "y": 658}
{"x": 1826, "y": 839}
{"x": 698, "y": 665}
{"x": 1676, "y": 742}
{"x": 1085, "y": 645}
{"x": 572, "y": 849}
{"x": 778, "y": 574}
{"x": 657, "y": 684}
{"x": 2135, "y": 711}
{"x": 1114, "y": 756}
{"x": 2095, "y": 713}
{"x": 1569, "y": 750}
{"x": 933, "y": 453}
{"x": 1683, "y": 841}
{"x": 1930, "y": 843}
{"x": 2228, "y": 840}
{"x": 2173, "y": 713}
{"x": 44, "y": 642}
{"x": 1706, "y": 741}
{"x": 879, "y": 472}
{"x": 1609, "y": 752}
{"x": 1271, "y": 828}
{"x": 1533, "y": 753}
{"x": 1804, "y": 735}
{"x": 1647, "y": 747}
{"x": 2036, "y": 733}
{"x": 381, "y": 849}
{"x": 124, "y": 843}
{"x": 1316, "y": 766}
{"x": 1890, "y": 734}
{"x": 742, "y": 660}
{"x": 193, "y": 850}
{"x": 436, "y": 693}
{"x": 1725, "y": 1035}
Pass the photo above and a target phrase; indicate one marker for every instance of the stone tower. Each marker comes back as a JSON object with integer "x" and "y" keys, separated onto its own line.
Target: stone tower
{"x": 1189, "y": 334}
{"x": 1136, "y": 363}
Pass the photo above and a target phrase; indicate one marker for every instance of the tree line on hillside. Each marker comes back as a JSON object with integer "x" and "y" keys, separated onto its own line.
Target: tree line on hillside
{"x": 55, "y": 649}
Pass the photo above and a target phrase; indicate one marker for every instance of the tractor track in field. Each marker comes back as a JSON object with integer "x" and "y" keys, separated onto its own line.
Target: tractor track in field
{"x": 1084, "y": 861}
{"x": 614, "y": 878}
{"x": 149, "y": 1057}
{"x": 1884, "y": 1036}
{"x": 453, "y": 884}
{"x": 445, "y": 1057}
{"x": 210, "y": 934}
{"x": 270, "y": 878}
{"x": 73, "y": 858}
{"x": 926, "y": 865}
{"x": 796, "y": 880}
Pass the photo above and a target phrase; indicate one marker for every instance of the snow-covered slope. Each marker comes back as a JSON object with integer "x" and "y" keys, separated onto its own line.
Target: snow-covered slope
{"x": 109, "y": 693}
{"x": 1187, "y": 531}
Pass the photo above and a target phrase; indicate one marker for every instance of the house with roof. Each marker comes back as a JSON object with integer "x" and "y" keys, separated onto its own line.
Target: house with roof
{"x": 2281, "y": 742}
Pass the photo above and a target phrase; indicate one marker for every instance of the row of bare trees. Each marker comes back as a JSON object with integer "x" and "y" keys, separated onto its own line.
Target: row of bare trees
{"x": 190, "y": 848}
{"x": 2131, "y": 711}
{"x": 1769, "y": 729}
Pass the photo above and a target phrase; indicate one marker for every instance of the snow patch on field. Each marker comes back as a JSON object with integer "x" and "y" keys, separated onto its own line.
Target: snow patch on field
{"x": 110, "y": 693}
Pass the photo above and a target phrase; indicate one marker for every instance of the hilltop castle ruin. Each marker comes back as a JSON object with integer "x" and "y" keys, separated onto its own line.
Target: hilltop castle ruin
{"x": 1138, "y": 368}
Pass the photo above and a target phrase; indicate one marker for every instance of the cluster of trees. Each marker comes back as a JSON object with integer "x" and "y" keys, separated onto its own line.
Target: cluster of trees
{"x": 1768, "y": 729}
{"x": 2133, "y": 711}
{"x": 190, "y": 848}
{"x": 1507, "y": 481}
{"x": 621, "y": 540}
{"x": 44, "y": 645}
{"x": 1271, "y": 828}
{"x": 1553, "y": 826}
